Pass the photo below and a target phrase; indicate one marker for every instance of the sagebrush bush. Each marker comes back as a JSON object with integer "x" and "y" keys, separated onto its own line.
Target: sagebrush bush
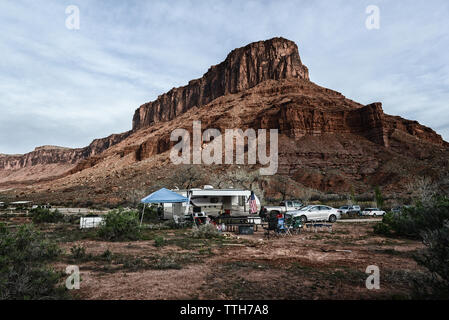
{"x": 24, "y": 273}
{"x": 413, "y": 221}
{"x": 382, "y": 229}
{"x": 78, "y": 252}
{"x": 436, "y": 259}
{"x": 40, "y": 215}
{"x": 429, "y": 222}
{"x": 107, "y": 255}
{"x": 205, "y": 231}
{"x": 159, "y": 241}
{"x": 120, "y": 225}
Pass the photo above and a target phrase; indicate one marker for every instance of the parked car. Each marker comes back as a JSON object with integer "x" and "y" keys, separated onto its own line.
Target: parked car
{"x": 399, "y": 209}
{"x": 284, "y": 206}
{"x": 396, "y": 209}
{"x": 350, "y": 210}
{"x": 317, "y": 213}
{"x": 372, "y": 212}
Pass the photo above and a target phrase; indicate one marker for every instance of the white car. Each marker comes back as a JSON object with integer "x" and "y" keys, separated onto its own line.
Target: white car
{"x": 316, "y": 213}
{"x": 372, "y": 212}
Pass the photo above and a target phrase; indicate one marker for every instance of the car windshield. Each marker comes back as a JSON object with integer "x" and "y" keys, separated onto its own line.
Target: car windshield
{"x": 306, "y": 208}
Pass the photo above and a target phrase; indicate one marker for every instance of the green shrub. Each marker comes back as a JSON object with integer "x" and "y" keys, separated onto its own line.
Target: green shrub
{"x": 78, "y": 252}
{"x": 436, "y": 259}
{"x": 120, "y": 225}
{"x": 24, "y": 273}
{"x": 413, "y": 221}
{"x": 107, "y": 255}
{"x": 159, "y": 241}
{"x": 152, "y": 213}
{"x": 429, "y": 222}
{"x": 40, "y": 215}
{"x": 382, "y": 229}
{"x": 134, "y": 264}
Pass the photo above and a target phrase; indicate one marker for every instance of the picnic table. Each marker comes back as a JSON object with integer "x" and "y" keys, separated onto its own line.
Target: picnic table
{"x": 234, "y": 223}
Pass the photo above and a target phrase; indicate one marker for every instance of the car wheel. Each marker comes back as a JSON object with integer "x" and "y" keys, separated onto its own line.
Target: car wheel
{"x": 374, "y": 215}
{"x": 332, "y": 218}
{"x": 303, "y": 219}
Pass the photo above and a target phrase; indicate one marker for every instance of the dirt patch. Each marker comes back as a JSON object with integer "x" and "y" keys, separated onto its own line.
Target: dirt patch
{"x": 305, "y": 266}
{"x": 147, "y": 284}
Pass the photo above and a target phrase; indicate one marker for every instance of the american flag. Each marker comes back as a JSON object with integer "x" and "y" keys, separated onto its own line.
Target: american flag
{"x": 252, "y": 203}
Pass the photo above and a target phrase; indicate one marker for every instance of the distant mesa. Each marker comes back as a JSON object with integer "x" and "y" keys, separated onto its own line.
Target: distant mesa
{"x": 49, "y": 147}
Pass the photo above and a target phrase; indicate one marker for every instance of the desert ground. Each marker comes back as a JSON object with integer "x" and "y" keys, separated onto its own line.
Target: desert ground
{"x": 170, "y": 264}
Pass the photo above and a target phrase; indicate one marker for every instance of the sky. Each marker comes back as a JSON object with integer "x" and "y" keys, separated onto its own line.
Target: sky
{"x": 64, "y": 86}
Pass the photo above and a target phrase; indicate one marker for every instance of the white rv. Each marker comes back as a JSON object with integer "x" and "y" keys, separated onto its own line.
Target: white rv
{"x": 213, "y": 202}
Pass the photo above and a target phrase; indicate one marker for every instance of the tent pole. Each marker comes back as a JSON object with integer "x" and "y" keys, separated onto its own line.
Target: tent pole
{"x": 188, "y": 202}
{"x": 143, "y": 212}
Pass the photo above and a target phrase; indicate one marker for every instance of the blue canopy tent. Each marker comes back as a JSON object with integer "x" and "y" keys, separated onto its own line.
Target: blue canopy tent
{"x": 162, "y": 196}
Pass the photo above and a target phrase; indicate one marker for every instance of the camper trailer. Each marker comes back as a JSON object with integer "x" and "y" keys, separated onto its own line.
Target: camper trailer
{"x": 234, "y": 202}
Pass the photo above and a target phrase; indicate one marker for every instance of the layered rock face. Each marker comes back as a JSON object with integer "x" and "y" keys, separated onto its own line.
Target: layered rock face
{"x": 298, "y": 108}
{"x": 51, "y": 161}
{"x": 41, "y": 155}
{"x": 327, "y": 141}
{"x": 243, "y": 68}
{"x": 54, "y": 154}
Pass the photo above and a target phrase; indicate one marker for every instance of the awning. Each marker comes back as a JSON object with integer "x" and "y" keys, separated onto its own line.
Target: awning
{"x": 164, "y": 196}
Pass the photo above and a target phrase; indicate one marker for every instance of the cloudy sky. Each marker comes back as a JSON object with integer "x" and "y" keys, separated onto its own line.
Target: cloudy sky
{"x": 66, "y": 87}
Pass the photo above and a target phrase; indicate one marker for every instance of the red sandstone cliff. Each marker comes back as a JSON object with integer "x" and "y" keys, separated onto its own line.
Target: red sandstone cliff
{"x": 328, "y": 142}
{"x": 243, "y": 68}
{"x": 48, "y": 162}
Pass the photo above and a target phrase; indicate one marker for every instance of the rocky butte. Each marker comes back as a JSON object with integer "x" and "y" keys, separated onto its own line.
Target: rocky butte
{"x": 327, "y": 142}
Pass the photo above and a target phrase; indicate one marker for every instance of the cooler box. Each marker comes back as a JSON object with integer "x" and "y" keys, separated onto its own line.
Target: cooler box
{"x": 246, "y": 230}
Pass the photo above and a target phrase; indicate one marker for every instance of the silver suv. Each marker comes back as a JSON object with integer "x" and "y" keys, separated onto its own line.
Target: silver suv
{"x": 350, "y": 210}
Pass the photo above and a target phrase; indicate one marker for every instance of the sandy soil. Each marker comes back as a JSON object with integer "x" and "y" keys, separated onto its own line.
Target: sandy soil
{"x": 304, "y": 266}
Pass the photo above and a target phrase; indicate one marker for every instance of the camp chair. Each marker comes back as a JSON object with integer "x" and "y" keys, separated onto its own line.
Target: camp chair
{"x": 295, "y": 225}
{"x": 282, "y": 228}
{"x": 179, "y": 222}
{"x": 272, "y": 225}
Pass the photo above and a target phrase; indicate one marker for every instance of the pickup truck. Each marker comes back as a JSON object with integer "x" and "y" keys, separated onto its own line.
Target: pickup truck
{"x": 284, "y": 206}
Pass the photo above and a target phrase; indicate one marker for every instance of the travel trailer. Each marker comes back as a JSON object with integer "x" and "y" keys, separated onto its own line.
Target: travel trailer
{"x": 234, "y": 202}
